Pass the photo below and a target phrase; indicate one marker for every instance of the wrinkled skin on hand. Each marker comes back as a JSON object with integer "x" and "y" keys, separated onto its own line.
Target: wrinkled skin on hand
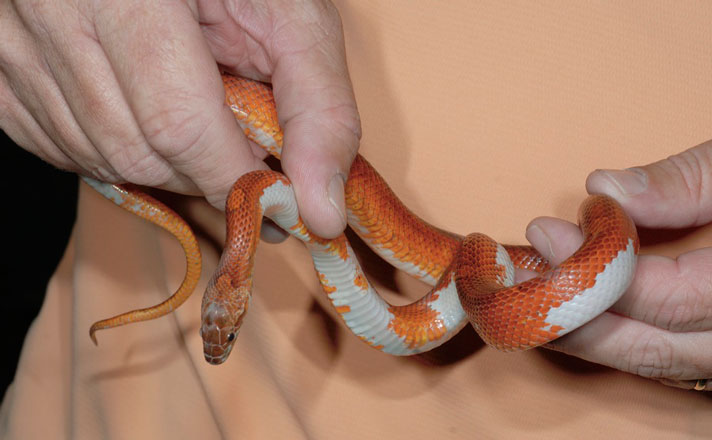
{"x": 130, "y": 91}
{"x": 662, "y": 327}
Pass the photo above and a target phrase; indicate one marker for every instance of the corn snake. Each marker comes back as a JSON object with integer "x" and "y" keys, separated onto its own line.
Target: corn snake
{"x": 472, "y": 276}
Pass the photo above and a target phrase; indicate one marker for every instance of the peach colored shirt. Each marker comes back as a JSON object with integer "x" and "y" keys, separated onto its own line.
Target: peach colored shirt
{"x": 481, "y": 115}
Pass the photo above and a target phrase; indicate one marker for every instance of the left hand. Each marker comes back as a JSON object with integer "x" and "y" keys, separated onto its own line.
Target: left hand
{"x": 129, "y": 91}
{"x": 662, "y": 327}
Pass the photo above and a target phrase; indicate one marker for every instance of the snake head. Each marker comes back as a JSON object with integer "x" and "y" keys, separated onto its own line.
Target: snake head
{"x": 221, "y": 322}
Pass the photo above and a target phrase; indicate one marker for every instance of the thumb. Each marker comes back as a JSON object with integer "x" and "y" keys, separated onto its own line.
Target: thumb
{"x": 672, "y": 193}
{"x": 317, "y": 108}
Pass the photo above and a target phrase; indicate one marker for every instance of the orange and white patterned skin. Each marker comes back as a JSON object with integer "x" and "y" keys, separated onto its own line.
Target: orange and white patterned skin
{"x": 472, "y": 277}
{"x": 141, "y": 204}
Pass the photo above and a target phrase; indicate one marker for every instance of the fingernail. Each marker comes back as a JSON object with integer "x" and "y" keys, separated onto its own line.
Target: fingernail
{"x": 336, "y": 195}
{"x": 629, "y": 182}
{"x": 537, "y": 235}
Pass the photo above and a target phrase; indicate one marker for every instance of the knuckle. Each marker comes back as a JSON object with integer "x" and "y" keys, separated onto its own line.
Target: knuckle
{"x": 308, "y": 26}
{"x": 694, "y": 167}
{"x": 345, "y": 123}
{"x": 692, "y": 308}
{"x": 138, "y": 164}
{"x": 688, "y": 306}
{"x": 650, "y": 355}
{"x": 674, "y": 310}
{"x": 36, "y": 13}
{"x": 339, "y": 127}
{"x": 175, "y": 131}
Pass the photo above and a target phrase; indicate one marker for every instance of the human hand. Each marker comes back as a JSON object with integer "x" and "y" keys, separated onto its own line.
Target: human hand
{"x": 130, "y": 91}
{"x": 662, "y": 327}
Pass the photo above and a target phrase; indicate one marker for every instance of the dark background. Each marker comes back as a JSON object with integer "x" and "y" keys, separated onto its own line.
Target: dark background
{"x": 38, "y": 211}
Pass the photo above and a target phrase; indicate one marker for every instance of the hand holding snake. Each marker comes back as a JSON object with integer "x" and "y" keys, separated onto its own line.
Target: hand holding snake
{"x": 662, "y": 327}
{"x": 128, "y": 92}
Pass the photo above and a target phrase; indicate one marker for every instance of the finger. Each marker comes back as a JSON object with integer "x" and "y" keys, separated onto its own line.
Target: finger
{"x": 672, "y": 193}
{"x": 555, "y": 239}
{"x": 24, "y": 130}
{"x": 237, "y": 36}
{"x": 672, "y": 294}
{"x": 29, "y": 76}
{"x": 640, "y": 348}
{"x": 318, "y": 112}
{"x": 174, "y": 89}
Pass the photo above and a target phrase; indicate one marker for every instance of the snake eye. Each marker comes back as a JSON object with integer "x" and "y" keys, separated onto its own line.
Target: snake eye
{"x": 230, "y": 337}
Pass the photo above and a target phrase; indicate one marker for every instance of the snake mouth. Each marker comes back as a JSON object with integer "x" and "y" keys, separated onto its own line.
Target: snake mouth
{"x": 217, "y": 344}
{"x": 214, "y": 361}
{"x": 216, "y": 354}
